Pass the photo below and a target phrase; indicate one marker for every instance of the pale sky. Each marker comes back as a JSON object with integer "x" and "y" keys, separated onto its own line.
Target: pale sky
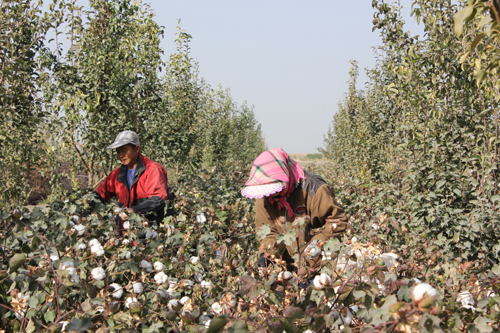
{"x": 287, "y": 58}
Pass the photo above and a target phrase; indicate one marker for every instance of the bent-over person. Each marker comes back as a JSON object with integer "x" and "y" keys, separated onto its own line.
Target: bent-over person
{"x": 285, "y": 192}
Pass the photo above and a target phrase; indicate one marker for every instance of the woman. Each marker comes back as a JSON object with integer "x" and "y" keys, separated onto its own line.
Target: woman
{"x": 285, "y": 193}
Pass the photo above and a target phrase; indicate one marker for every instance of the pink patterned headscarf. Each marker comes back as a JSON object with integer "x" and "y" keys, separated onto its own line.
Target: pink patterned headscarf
{"x": 278, "y": 172}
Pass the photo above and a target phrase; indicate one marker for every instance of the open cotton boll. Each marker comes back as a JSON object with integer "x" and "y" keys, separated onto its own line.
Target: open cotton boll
{"x": 54, "y": 257}
{"x": 98, "y": 273}
{"x": 203, "y": 319}
{"x": 147, "y": 266}
{"x": 158, "y": 266}
{"x": 174, "y": 305}
{"x": 206, "y": 284}
{"x": 194, "y": 260}
{"x": 137, "y": 287}
{"x": 186, "y": 284}
{"x": 466, "y": 299}
{"x": 67, "y": 264}
{"x": 126, "y": 225}
{"x": 118, "y": 290}
{"x": 161, "y": 292}
{"x": 286, "y": 276}
{"x": 389, "y": 259}
{"x": 375, "y": 226}
{"x": 80, "y": 229}
{"x": 217, "y": 308}
{"x": 129, "y": 301}
{"x": 312, "y": 250}
{"x": 201, "y": 218}
{"x": 82, "y": 246}
{"x": 184, "y": 300}
{"x": 161, "y": 278}
{"x": 421, "y": 291}
{"x": 321, "y": 281}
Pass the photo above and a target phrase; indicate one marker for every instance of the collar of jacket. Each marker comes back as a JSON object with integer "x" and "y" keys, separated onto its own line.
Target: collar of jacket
{"x": 139, "y": 170}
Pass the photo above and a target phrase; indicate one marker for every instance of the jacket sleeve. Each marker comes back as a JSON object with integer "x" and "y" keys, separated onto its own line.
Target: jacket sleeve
{"x": 106, "y": 189}
{"x": 327, "y": 218}
{"x": 157, "y": 192}
{"x": 263, "y": 217}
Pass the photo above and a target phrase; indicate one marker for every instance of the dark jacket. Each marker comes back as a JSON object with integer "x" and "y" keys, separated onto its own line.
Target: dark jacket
{"x": 148, "y": 191}
{"x": 311, "y": 197}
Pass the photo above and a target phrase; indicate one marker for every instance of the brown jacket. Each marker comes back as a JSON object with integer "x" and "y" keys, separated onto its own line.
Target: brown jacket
{"x": 312, "y": 197}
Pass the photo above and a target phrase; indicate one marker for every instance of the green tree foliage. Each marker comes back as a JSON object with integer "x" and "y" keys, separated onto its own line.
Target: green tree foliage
{"x": 63, "y": 105}
{"x": 424, "y": 133}
{"x": 23, "y": 29}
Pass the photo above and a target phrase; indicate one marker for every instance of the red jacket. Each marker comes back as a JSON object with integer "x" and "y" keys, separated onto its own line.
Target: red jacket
{"x": 148, "y": 190}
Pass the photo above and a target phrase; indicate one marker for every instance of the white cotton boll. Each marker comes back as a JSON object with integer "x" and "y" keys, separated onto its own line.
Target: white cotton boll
{"x": 117, "y": 210}
{"x": 203, "y": 319}
{"x": 98, "y": 273}
{"x": 375, "y": 226}
{"x": 158, "y": 266}
{"x": 326, "y": 256}
{"x": 147, "y": 266}
{"x": 82, "y": 246}
{"x": 354, "y": 239}
{"x": 54, "y": 257}
{"x": 389, "y": 259}
{"x": 217, "y": 308}
{"x": 67, "y": 264}
{"x": 129, "y": 301}
{"x": 174, "y": 305}
{"x": 75, "y": 279}
{"x": 466, "y": 299}
{"x": 80, "y": 229}
{"x": 312, "y": 250}
{"x": 201, "y": 218}
{"x": 309, "y": 331}
{"x": 172, "y": 283}
{"x": 94, "y": 242}
{"x": 125, "y": 242}
{"x": 110, "y": 216}
{"x": 184, "y": 300}
{"x": 126, "y": 225}
{"x": 423, "y": 290}
{"x": 128, "y": 255}
{"x": 161, "y": 278}
{"x": 198, "y": 277}
{"x": 321, "y": 281}
{"x": 286, "y": 276}
{"x": 97, "y": 250}
{"x": 194, "y": 260}
{"x": 75, "y": 218}
{"x": 137, "y": 287}
{"x": 161, "y": 292}
{"x": 416, "y": 280}
{"x": 186, "y": 284}
{"x": 170, "y": 292}
{"x": 118, "y": 290}
{"x": 206, "y": 284}
{"x": 64, "y": 324}
{"x": 345, "y": 320}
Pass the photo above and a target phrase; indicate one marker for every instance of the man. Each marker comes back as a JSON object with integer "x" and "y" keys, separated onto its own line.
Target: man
{"x": 140, "y": 183}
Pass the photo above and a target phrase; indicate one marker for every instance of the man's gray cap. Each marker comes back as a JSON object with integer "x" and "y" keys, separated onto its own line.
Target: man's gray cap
{"x": 124, "y": 138}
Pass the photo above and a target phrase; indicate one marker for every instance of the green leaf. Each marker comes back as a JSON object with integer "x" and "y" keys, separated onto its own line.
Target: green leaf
{"x": 459, "y": 19}
{"x": 17, "y": 261}
{"x": 288, "y": 238}
{"x": 293, "y": 312}
{"x": 263, "y": 231}
{"x": 481, "y": 324}
{"x": 238, "y": 327}
{"x": 49, "y": 316}
{"x": 79, "y": 324}
{"x": 217, "y": 324}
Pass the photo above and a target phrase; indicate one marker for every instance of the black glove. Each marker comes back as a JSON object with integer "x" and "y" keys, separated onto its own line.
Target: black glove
{"x": 262, "y": 262}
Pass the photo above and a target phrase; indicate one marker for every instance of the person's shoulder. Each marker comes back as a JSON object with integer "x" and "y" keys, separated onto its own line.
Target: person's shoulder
{"x": 150, "y": 164}
{"x": 312, "y": 183}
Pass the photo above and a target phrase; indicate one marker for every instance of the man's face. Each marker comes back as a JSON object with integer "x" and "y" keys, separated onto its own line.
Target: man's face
{"x": 127, "y": 154}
